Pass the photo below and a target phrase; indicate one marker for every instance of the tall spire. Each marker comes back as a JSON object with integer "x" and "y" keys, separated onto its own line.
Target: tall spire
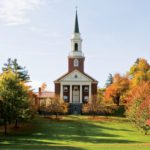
{"x": 76, "y": 41}
{"x": 76, "y": 28}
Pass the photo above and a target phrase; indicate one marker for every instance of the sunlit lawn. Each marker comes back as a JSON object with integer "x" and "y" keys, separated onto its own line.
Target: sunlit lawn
{"x": 76, "y": 133}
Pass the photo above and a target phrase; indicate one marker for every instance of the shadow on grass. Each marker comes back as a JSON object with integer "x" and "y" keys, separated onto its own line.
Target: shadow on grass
{"x": 39, "y": 147}
{"x": 49, "y": 133}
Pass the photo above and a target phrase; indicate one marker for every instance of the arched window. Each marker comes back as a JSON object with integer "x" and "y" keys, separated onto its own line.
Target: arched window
{"x": 76, "y": 46}
{"x": 76, "y": 63}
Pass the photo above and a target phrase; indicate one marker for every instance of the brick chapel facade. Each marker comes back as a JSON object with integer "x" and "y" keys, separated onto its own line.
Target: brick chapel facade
{"x": 76, "y": 86}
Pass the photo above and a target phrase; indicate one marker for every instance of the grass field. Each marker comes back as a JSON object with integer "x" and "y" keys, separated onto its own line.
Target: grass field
{"x": 76, "y": 133}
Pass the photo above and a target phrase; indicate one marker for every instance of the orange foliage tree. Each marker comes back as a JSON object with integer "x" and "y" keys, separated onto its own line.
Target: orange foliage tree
{"x": 117, "y": 89}
{"x": 138, "y": 106}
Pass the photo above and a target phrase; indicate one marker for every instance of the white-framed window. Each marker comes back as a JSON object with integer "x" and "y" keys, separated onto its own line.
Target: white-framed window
{"x": 86, "y": 98}
{"x": 86, "y": 89}
{"x": 65, "y": 98}
{"x": 76, "y": 63}
{"x": 65, "y": 89}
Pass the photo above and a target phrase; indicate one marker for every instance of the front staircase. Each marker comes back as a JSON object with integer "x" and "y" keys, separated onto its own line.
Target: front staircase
{"x": 75, "y": 108}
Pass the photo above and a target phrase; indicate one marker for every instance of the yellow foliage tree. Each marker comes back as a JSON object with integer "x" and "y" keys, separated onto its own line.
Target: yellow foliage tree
{"x": 57, "y": 106}
{"x": 139, "y": 72}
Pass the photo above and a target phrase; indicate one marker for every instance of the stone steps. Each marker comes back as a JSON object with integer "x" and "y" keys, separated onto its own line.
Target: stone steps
{"x": 75, "y": 108}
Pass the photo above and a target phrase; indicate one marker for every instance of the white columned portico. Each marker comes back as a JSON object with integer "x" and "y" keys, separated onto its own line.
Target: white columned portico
{"x": 61, "y": 91}
{"x": 80, "y": 82}
{"x": 80, "y": 93}
{"x": 70, "y": 93}
{"x": 90, "y": 92}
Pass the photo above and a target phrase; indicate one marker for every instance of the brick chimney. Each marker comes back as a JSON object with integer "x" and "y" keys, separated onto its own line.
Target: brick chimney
{"x": 40, "y": 91}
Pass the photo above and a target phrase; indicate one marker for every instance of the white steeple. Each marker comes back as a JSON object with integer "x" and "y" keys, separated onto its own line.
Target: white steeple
{"x": 76, "y": 41}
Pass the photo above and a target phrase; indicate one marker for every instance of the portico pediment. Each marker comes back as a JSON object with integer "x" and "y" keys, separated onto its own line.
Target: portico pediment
{"x": 76, "y": 76}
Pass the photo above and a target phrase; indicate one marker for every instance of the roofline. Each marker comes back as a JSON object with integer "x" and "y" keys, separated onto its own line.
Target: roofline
{"x": 58, "y": 80}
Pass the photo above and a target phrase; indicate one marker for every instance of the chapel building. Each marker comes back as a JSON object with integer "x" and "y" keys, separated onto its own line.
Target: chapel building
{"x": 76, "y": 87}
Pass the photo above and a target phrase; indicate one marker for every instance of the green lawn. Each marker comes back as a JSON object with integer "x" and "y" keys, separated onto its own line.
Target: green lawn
{"x": 76, "y": 133}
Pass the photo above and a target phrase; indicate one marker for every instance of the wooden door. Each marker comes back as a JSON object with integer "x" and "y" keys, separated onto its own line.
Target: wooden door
{"x": 76, "y": 94}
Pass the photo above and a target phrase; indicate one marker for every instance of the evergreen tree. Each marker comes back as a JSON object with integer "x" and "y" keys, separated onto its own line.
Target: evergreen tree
{"x": 109, "y": 80}
{"x": 17, "y": 69}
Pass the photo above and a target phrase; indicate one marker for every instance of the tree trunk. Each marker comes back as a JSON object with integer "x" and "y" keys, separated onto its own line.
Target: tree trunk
{"x": 16, "y": 123}
{"x": 93, "y": 114}
{"x": 56, "y": 116}
{"x": 146, "y": 131}
{"x": 118, "y": 100}
{"x": 5, "y": 128}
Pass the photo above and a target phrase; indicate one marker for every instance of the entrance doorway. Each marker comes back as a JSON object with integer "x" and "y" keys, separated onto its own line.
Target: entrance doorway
{"x": 76, "y": 94}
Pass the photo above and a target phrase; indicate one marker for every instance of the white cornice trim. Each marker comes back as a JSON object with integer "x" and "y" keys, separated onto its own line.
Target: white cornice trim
{"x": 80, "y": 77}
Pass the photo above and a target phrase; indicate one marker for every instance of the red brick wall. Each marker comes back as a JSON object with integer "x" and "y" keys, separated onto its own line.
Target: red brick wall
{"x": 57, "y": 89}
{"x": 94, "y": 88}
{"x": 71, "y": 64}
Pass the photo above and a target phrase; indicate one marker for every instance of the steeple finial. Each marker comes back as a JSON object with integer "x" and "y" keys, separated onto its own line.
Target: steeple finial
{"x": 76, "y": 29}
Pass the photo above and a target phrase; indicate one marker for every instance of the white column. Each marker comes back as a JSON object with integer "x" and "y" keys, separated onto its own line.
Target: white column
{"x": 70, "y": 93}
{"x": 61, "y": 91}
{"x": 90, "y": 92}
{"x": 80, "y": 93}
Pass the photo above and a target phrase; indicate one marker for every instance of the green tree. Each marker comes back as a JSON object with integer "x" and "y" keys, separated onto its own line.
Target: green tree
{"x": 13, "y": 98}
{"x": 17, "y": 69}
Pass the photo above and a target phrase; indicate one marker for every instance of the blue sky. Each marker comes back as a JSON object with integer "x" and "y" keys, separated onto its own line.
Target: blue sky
{"x": 38, "y": 32}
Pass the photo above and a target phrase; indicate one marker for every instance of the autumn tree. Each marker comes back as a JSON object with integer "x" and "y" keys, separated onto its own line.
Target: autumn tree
{"x": 139, "y": 72}
{"x": 56, "y": 106}
{"x": 138, "y": 106}
{"x": 100, "y": 94}
{"x": 94, "y": 105}
{"x": 117, "y": 89}
{"x": 43, "y": 86}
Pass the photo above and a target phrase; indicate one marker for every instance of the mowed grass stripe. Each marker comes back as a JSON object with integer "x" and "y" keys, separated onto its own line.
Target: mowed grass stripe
{"x": 76, "y": 132}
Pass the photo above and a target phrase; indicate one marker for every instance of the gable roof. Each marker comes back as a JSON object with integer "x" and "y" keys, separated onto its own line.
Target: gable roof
{"x": 46, "y": 94}
{"x": 66, "y": 74}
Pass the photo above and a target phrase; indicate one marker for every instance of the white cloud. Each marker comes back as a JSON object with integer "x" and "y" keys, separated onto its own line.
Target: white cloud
{"x": 14, "y": 12}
